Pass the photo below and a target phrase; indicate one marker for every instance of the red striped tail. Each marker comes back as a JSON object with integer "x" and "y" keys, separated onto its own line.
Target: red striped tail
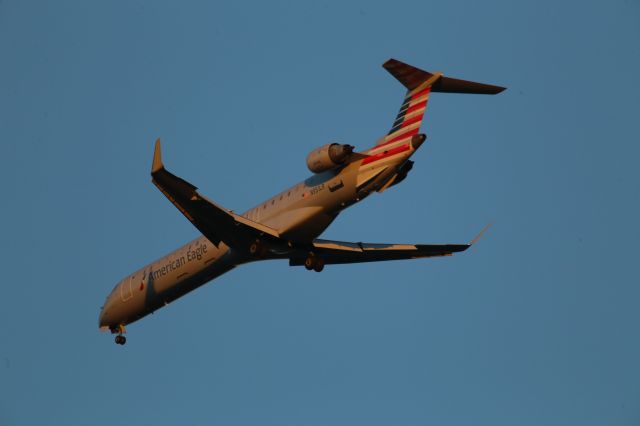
{"x": 420, "y": 84}
{"x": 411, "y": 114}
{"x": 409, "y": 118}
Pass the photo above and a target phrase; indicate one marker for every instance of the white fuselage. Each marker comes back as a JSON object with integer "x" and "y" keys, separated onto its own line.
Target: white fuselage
{"x": 300, "y": 213}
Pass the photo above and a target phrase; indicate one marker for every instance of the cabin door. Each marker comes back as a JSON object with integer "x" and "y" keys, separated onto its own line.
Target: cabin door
{"x": 125, "y": 289}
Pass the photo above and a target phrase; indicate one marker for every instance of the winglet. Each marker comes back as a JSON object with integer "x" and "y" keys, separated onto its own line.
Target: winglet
{"x": 157, "y": 158}
{"x": 475, "y": 240}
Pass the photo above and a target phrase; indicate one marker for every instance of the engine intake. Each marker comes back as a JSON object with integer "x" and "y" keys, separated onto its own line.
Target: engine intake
{"x": 328, "y": 157}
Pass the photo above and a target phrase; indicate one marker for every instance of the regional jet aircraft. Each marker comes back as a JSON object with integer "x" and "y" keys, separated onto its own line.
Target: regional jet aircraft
{"x": 287, "y": 225}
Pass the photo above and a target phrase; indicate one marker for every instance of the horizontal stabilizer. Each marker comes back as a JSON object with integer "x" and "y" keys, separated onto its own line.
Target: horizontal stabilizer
{"x": 454, "y": 85}
{"x": 412, "y": 77}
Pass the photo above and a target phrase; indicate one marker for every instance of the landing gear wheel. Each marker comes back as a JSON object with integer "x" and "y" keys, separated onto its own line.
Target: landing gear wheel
{"x": 313, "y": 262}
{"x": 319, "y": 264}
{"x": 309, "y": 262}
{"x": 120, "y": 339}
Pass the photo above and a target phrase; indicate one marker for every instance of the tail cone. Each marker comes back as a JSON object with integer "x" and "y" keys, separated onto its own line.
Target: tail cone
{"x": 418, "y": 140}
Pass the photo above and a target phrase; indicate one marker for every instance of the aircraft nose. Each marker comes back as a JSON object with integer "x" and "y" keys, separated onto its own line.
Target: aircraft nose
{"x": 102, "y": 318}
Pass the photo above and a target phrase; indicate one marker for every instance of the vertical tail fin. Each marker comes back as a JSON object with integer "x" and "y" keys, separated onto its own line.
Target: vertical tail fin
{"x": 420, "y": 84}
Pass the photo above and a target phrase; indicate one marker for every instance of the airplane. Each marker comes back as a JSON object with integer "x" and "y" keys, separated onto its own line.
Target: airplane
{"x": 287, "y": 225}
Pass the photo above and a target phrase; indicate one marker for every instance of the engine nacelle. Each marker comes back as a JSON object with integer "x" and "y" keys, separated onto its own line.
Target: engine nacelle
{"x": 328, "y": 157}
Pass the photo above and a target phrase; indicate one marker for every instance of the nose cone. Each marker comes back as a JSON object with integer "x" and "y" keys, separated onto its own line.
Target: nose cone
{"x": 103, "y": 319}
{"x": 418, "y": 140}
{"x": 106, "y": 317}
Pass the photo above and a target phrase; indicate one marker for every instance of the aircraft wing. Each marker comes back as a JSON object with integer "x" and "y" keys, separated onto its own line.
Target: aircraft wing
{"x": 214, "y": 221}
{"x": 338, "y": 252}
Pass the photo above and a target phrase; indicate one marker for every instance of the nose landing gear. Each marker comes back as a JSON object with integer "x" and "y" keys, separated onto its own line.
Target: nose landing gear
{"x": 120, "y": 330}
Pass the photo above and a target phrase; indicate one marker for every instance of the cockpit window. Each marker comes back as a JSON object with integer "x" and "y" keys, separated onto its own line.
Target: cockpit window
{"x": 113, "y": 291}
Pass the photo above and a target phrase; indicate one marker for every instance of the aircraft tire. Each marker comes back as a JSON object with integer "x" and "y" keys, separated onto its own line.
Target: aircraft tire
{"x": 309, "y": 263}
{"x": 318, "y": 264}
{"x": 121, "y": 340}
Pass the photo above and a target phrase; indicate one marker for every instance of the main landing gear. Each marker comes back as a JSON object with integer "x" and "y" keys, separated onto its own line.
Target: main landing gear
{"x": 120, "y": 339}
{"x": 314, "y": 262}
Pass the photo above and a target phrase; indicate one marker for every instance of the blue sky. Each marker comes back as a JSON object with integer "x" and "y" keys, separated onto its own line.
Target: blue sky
{"x": 536, "y": 325}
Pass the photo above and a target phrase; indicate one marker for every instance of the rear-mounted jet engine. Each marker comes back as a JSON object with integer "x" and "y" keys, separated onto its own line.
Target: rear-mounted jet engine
{"x": 328, "y": 157}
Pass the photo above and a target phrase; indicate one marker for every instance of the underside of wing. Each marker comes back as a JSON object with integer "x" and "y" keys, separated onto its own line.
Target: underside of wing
{"x": 215, "y": 222}
{"x": 338, "y": 252}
